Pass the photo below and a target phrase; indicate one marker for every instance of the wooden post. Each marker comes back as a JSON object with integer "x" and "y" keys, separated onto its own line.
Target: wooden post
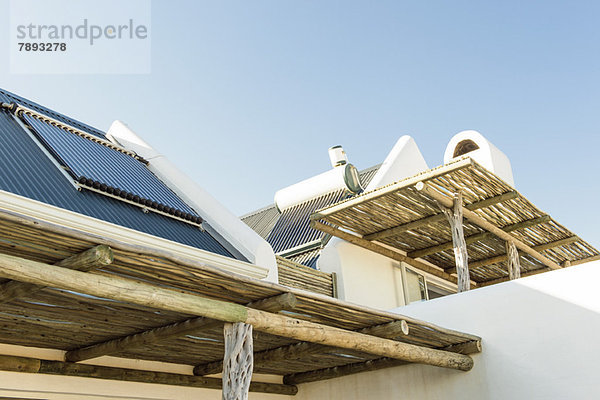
{"x": 238, "y": 361}
{"x": 514, "y": 266}
{"x": 461, "y": 258}
{"x": 127, "y": 290}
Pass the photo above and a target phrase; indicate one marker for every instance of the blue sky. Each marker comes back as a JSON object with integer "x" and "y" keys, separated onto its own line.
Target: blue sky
{"x": 246, "y": 96}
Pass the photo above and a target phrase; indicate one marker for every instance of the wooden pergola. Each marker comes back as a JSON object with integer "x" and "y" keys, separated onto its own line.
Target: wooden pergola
{"x": 70, "y": 290}
{"x": 458, "y": 222}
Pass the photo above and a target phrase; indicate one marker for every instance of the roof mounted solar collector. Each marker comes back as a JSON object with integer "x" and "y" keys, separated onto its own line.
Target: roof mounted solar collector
{"x": 100, "y": 166}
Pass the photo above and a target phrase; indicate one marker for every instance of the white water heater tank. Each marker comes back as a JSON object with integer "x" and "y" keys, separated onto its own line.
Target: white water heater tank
{"x": 476, "y": 146}
{"x": 343, "y": 176}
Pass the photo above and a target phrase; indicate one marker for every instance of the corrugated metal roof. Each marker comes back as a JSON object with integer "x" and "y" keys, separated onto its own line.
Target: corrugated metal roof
{"x": 25, "y": 170}
{"x": 293, "y": 226}
{"x": 308, "y": 258}
{"x": 8, "y": 97}
{"x": 88, "y": 159}
{"x": 263, "y": 220}
{"x": 367, "y": 174}
{"x": 290, "y": 229}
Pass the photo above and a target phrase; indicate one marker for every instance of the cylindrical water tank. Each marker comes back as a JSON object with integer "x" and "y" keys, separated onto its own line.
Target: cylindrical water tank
{"x": 343, "y": 177}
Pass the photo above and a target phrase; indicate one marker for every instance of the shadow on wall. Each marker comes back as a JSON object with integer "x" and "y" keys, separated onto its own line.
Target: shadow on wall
{"x": 540, "y": 341}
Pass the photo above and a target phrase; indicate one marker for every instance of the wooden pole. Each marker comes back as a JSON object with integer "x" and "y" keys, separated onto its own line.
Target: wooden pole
{"x": 503, "y": 257}
{"x": 371, "y": 365}
{"x": 299, "y": 350}
{"x": 461, "y": 258}
{"x": 120, "y": 289}
{"x": 377, "y": 248}
{"x": 237, "y": 361}
{"x": 96, "y": 257}
{"x": 439, "y": 217}
{"x": 514, "y": 266}
{"x": 286, "y": 301}
{"x": 478, "y": 237}
{"x": 343, "y": 370}
{"x": 45, "y": 226}
{"x": 477, "y": 220}
{"x": 37, "y": 366}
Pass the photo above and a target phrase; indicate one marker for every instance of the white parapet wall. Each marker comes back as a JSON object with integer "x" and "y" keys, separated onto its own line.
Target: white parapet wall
{"x": 234, "y": 232}
{"x": 540, "y": 341}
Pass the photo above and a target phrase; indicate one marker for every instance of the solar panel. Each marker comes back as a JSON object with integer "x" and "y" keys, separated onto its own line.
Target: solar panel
{"x": 101, "y": 166}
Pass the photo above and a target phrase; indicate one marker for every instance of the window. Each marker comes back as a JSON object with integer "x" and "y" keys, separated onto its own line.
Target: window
{"x": 421, "y": 287}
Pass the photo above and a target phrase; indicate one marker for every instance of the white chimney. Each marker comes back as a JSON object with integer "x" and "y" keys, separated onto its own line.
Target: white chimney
{"x": 476, "y": 146}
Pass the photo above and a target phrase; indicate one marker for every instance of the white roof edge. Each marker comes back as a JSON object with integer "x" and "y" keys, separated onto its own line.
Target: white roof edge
{"x": 16, "y": 204}
{"x": 230, "y": 227}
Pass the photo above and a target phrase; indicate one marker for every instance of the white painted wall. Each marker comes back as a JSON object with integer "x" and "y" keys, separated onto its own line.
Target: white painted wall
{"x": 540, "y": 341}
{"x": 365, "y": 277}
{"x": 226, "y": 224}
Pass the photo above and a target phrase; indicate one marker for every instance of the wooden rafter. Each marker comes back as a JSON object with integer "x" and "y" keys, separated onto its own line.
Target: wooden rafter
{"x": 478, "y": 237}
{"x": 286, "y": 301}
{"x": 481, "y": 222}
{"x": 503, "y": 257}
{"x": 385, "y": 251}
{"x": 144, "y": 294}
{"x": 295, "y": 351}
{"x": 371, "y": 365}
{"x": 439, "y": 217}
{"x": 37, "y": 366}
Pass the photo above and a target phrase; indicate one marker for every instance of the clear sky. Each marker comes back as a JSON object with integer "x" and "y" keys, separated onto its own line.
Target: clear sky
{"x": 246, "y": 96}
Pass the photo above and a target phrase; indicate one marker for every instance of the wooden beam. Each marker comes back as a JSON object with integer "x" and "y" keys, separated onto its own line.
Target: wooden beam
{"x": 37, "y": 366}
{"x": 394, "y": 187}
{"x": 286, "y": 301}
{"x": 439, "y": 217}
{"x": 237, "y": 361}
{"x": 514, "y": 266}
{"x": 144, "y": 294}
{"x": 481, "y": 222}
{"x": 391, "y": 330}
{"x": 478, "y": 237}
{"x": 70, "y": 233}
{"x": 96, "y": 257}
{"x": 377, "y": 248}
{"x": 503, "y": 257}
{"x": 461, "y": 258}
{"x": 295, "y": 351}
{"x": 371, "y": 365}
{"x": 585, "y": 260}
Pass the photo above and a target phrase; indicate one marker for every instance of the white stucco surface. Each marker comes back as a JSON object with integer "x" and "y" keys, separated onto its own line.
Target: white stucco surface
{"x": 540, "y": 341}
{"x": 230, "y": 227}
{"x": 488, "y": 155}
